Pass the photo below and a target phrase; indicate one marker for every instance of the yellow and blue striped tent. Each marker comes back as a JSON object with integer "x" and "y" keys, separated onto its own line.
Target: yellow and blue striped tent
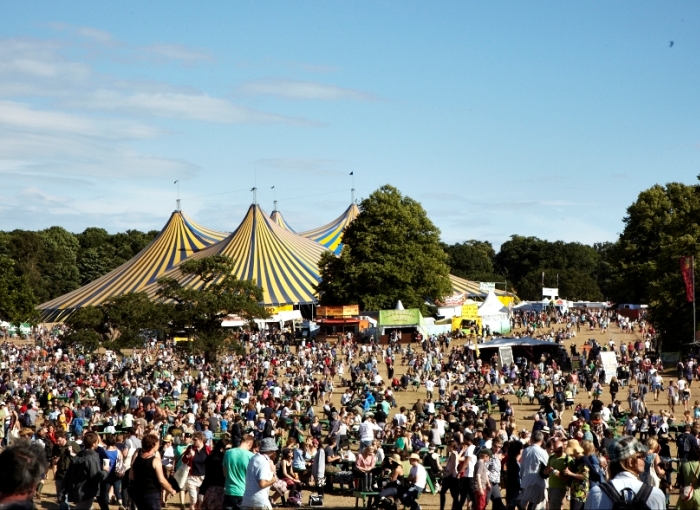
{"x": 331, "y": 235}
{"x": 283, "y": 264}
{"x": 179, "y": 239}
{"x": 277, "y": 217}
{"x": 462, "y": 286}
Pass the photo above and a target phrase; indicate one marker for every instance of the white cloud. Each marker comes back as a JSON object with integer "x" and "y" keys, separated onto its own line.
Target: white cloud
{"x": 293, "y": 89}
{"x": 179, "y": 106}
{"x": 21, "y": 117}
{"x": 176, "y": 52}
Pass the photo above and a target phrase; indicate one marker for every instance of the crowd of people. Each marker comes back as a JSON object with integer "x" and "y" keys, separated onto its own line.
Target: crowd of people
{"x": 269, "y": 428}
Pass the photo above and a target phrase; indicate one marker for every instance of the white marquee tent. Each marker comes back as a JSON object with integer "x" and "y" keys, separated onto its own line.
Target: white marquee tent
{"x": 494, "y": 314}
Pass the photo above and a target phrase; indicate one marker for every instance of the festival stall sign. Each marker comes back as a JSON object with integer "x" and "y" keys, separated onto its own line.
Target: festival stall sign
{"x": 505, "y": 354}
{"x": 609, "y": 361}
{"x": 408, "y": 318}
{"x": 575, "y": 362}
{"x": 274, "y": 310}
{"x": 338, "y": 311}
{"x": 470, "y": 312}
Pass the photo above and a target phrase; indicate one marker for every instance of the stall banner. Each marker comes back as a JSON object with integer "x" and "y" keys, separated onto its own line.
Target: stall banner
{"x": 609, "y": 360}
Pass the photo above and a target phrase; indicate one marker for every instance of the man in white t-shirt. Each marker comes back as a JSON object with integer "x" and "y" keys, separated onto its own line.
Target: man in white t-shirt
{"x": 418, "y": 478}
{"x": 429, "y": 387}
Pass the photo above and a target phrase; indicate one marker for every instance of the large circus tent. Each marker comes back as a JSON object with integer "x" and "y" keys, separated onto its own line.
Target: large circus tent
{"x": 265, "y": 248}
{"x": 180, "y": 238}
{"x": 331, "y": 235}
{"x": 284, "y": 265}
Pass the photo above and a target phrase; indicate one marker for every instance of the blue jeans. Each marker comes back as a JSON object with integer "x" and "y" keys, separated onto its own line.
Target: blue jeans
{"x": 233, "y": 502}
{"x": 111, "y": 481}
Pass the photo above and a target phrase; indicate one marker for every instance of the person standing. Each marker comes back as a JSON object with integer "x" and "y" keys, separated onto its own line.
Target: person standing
{"x": 450, "y": 482}
{"x": 559, "y": 462}
{"x": 260, "y": 476}
{"x": 236, "y": 462}
{"x": 532, "y": 474}
{"x": 482, "y": 485}
{"x": 196, "y": 457}
{"x": 627, "y": 457}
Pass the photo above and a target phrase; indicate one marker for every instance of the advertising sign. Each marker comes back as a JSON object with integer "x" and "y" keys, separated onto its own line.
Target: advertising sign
{"x": 409, "y": 317}
{"x": 505, "y": 354}
{"x": 486, "y": 286}
{"x": 338, "y": 311}
{"x": 550, "y": 292}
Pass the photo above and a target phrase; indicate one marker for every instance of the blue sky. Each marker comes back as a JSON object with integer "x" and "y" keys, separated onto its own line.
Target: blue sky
{"x": 501, "y": 118}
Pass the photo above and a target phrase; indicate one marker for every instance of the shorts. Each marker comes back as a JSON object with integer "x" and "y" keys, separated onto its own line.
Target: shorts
{"x": 192, "y": 486}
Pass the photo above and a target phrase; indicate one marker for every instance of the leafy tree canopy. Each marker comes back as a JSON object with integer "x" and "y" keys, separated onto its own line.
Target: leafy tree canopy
{"x": 17, "y": 301}
{"x": 662, "y": 225}
{"x": 201, "y": 310}
{"x": 118, "y": 323}
{"x": 472, "y": 260}
{"x": 391, "y": 251}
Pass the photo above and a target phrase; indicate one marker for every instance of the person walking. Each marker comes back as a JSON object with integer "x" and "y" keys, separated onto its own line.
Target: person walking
{"x": 85, "y": 474}
{"x": 260, "y": 476}
{"x": 559, "y": 462}
{"x": 146, "y": 478}
{"x": 236, "y": 462}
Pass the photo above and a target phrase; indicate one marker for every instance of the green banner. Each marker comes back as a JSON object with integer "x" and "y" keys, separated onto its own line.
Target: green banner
{"x": 410, "y": 317}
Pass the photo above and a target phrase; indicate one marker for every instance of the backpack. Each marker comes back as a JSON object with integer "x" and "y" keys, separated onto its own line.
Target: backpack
{"x": 639, "y": 502}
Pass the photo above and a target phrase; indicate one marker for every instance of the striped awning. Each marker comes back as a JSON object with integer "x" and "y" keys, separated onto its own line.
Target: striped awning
{"x": 179, "y": 239}
{"x": 283, "y": 264}
{"x": 277, "y": 217}
{"x": 331, "y": 235}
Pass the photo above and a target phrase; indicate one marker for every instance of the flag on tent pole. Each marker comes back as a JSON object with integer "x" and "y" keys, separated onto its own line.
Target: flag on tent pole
{"x": 352, "y": 173}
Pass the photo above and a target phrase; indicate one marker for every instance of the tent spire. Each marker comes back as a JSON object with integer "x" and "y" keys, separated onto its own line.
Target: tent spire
{"x": 255, "y": 196}
{"x": 275, "y": 208}
{"x": 177, "y": 207}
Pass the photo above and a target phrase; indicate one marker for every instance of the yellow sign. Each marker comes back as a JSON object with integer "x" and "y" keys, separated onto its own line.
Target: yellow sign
{"x": 338, "y": 311}
{"x": 272, "y": 310}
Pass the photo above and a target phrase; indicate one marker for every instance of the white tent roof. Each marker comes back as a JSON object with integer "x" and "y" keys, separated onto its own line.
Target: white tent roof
{"x": 399, "y": 305}
{"x": 492, "y": 306}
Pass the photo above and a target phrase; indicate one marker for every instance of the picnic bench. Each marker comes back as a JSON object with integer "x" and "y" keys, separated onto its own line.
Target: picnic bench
{"x": 364, "y": 496}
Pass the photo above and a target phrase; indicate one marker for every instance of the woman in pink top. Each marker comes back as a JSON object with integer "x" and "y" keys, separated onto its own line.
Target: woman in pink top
{"x": 364, "y": 464}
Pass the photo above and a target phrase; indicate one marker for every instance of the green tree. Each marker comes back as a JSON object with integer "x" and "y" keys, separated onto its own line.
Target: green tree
{"x": 392, "y": 251}
{"x": 17, "y": 300}
{"x": 472, "y": 260}
{"x": 524, "y": 259}
{"x": 118, "y": 323}
{"x": 58, "y": 265}
{"x": 662, "y": 225}
{"x": 202, "y": 309}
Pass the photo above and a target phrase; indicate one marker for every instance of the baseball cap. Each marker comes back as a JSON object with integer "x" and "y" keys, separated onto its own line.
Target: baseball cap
{"x": 624, "y": 447}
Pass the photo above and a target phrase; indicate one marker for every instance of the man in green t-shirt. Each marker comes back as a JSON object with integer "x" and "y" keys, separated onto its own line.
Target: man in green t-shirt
{"x": 558, "y": 482}
{"x": 235, "y": 466}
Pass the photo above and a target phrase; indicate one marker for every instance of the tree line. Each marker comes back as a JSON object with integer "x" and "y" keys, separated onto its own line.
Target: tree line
{"x": 393, "y": 251}
{"x": 37, "y": 266}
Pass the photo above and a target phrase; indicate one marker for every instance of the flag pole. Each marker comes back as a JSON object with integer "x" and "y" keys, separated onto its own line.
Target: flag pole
{"x": 692, "y": 268}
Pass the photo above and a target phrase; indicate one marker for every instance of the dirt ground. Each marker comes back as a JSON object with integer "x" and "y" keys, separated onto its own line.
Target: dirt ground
{"x": 408, "y": 398}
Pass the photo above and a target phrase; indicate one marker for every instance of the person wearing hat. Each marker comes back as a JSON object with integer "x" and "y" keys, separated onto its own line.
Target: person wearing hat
{"x": 260, "y": 476}
{"x": 418, "y": 477}
{"x": 394, "y": 485}
{"x": 579, "y": 476}
{"x": 626, "y": 457}
{"x": 557, "y": 464}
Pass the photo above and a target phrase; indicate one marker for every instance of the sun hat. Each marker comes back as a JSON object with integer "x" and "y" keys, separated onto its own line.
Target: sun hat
{"x": 268, "y": 444}
{"x": 573, "y": 447}
{"x": 414, "y": 456}
{"x": 168, "y": 438}
{"x": 395, "y": 458}
{"x": 624, "y": 447}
